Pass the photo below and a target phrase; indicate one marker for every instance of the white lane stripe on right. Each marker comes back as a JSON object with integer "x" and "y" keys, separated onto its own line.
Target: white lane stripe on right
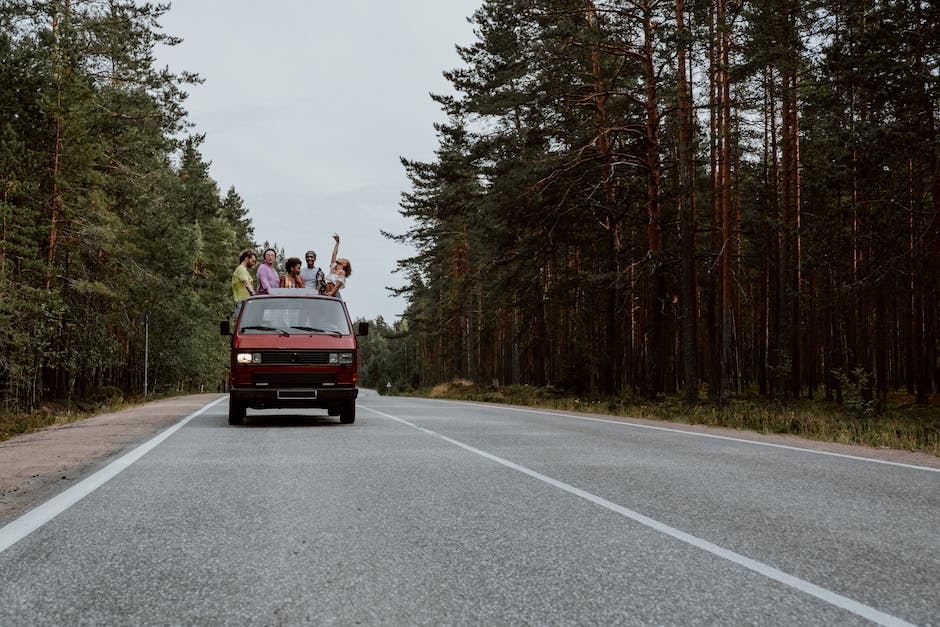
{"x": 833, "y": 598}
{"x": 36, "y": 518}
{"x": 627, "y": 423}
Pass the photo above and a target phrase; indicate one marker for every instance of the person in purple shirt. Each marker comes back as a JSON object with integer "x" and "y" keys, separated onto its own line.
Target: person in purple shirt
{"x": 267, "y": 275}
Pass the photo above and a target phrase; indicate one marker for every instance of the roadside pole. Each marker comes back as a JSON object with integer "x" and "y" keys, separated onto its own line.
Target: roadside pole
{"x": 146, "y": 349}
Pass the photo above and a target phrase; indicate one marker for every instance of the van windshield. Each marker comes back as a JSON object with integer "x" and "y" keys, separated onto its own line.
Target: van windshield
{"x": 293, "y": 316}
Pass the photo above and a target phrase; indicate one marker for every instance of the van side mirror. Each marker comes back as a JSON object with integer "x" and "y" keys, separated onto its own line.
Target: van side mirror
{"x": 224, "y": 328}
{"x": 363, "y": 328}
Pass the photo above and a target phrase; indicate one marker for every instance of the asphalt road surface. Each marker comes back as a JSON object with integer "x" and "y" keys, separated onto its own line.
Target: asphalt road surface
{"x": 433, "y": 512}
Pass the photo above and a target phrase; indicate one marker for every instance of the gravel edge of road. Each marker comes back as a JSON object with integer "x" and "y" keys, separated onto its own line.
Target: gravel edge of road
{"x": 36, "y": 466}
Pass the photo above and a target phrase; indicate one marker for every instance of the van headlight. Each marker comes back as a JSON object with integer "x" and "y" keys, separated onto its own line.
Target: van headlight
{"x": 248, "y": 358}
{"x": 341, "y": 358}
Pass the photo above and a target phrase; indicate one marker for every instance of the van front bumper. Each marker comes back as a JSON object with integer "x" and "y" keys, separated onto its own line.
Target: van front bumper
{"x": 273, "y": 398}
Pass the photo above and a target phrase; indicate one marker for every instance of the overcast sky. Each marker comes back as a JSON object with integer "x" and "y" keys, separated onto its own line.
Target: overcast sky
{"x": 307, "y": 106}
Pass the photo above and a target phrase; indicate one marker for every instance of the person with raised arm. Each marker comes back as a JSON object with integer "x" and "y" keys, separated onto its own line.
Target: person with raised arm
{"x": 340, "y": 270}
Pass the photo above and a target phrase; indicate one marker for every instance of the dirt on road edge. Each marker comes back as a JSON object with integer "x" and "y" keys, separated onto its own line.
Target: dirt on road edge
{"x": 36, "y": 466}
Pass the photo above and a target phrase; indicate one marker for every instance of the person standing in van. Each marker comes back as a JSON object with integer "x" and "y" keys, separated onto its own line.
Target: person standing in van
{"x": 292, "y": 277}
{"x": 313, "y": 276}
{"x": 242, "y": 285}
{"x": 267, "y": 275}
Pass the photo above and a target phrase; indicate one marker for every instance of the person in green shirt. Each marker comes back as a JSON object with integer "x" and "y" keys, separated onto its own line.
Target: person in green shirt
{"x": 242, "y": 285}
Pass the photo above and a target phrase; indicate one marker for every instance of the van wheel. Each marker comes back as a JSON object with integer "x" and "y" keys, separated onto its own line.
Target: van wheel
{"x": 236, "y": 412}
{"x": 347, "y": 415}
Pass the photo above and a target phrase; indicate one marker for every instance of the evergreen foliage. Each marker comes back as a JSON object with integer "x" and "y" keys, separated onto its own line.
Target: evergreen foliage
{"x": 107, "y": 219}
{"x": 578, "y": 211}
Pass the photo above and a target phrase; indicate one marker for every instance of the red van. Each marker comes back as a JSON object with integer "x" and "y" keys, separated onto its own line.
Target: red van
{"x": 293, "y": 348}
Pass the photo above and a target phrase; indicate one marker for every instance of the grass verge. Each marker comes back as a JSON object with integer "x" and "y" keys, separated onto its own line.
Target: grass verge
{"x": 14, "y": 423}
{"x": 900, "y": 425}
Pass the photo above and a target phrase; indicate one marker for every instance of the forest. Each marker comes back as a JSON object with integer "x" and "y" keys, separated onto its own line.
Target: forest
{"x": 688, "y": 197}
{"x": 632, "y": 197}
{"x": 113, "y": 236}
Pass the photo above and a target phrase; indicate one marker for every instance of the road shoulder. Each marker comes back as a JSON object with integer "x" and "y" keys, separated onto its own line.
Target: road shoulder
{"x": 897, "y": 456}
{"x": 36, "y": 466}
{"x": 884, "y": 454}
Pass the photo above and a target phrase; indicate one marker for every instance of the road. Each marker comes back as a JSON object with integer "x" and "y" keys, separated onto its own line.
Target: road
{"x": 435, "y": 512}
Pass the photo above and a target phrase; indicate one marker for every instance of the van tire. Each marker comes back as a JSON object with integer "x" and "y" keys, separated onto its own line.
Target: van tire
{"x": 347, "y": 415}
{"x": 236, "y": 412}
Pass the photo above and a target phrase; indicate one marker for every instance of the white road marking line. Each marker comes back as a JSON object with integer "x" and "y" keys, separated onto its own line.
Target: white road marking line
{"x": 833, "y": 598}
{"x": 627, "y": 423}
{"x": 36, "y": 518}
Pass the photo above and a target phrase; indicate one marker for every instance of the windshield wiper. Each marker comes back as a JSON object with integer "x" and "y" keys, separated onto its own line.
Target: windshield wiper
{"x": 259, "y": 328}
{"x": 315, "y": 330}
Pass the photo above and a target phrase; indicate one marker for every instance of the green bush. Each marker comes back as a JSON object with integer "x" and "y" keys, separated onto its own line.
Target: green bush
{"x": 856, "y": 393}
{"x": 106, "y": 395}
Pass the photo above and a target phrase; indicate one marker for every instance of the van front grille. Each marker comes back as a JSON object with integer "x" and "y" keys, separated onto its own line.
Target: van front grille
{"x": 300, "y": 357}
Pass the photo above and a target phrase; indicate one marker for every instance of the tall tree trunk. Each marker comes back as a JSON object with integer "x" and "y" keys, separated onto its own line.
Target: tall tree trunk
{"x": 724, "y": 187}
{"x": 686, "y": 217}
{"x": 714, "y": 320}
{"x": 790, "y": 220}
{"x": 924, "y": 286}
{"x": 612, "y": 375}
{"x": 793, "y": 178}
{"x": 55, "y": 202}
{"x": 656, "y": 300}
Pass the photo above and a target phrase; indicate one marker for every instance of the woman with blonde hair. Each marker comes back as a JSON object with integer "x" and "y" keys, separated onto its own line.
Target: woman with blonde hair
{"x": 340, "y": 270}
